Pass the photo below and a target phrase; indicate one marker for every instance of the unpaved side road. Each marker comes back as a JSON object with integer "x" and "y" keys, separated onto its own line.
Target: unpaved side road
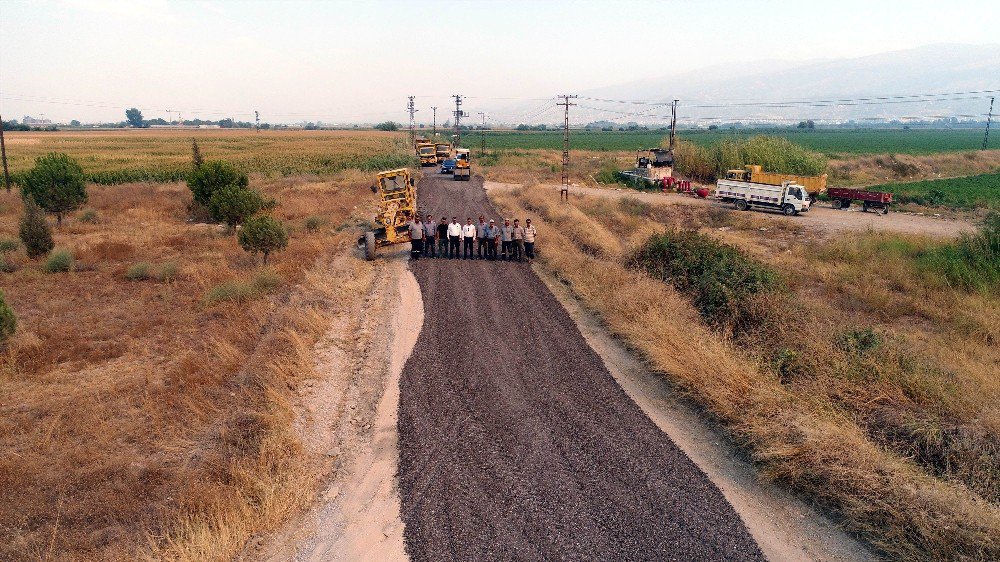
{"x": 820, "y": 218}
{"x": 350, "y": 415}
{"x": 517, "y": 443}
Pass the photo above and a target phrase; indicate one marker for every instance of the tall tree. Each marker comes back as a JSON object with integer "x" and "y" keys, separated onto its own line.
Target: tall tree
{"x": 134, "y": 118}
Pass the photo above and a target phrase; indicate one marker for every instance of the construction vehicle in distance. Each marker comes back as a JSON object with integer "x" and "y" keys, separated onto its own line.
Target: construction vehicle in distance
{"x": 653, "y": 167}
{"x": 815, "y": 185}
{"x": 790, "y": 198}
{"x": 427, "y": 154}
{"x": 397, "y": 205}
{"x": 463, "y": 170}
{"x": 417, "y": 141}
{"x": 443, "y": 151}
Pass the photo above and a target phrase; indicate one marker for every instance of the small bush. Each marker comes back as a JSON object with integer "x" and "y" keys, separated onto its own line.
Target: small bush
{"x": 89, "y": 216}
{"x": 34, "y": 231}
{"x": 138, "y": 272}
{"x": 313, "y": 224}
{"x": 8, "y": 245}
{"x": 212, "y": 176}
{"x": 263, "y": 234}
{"x": 8, "y": 321}
{"x": 56, "y": 184}
{"x": 5, "y": 265}
{"x": 242, "y": 291}
{"x": 59, "y": 262}
{"x": 233, "y": 204}
{"x": 168, "y": 272}
{"x": 859, "y": 341}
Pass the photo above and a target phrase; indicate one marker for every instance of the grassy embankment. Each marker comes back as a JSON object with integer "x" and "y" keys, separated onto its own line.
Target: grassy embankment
{"x": 870, "y": 389}
{"x": 144, "y": 400}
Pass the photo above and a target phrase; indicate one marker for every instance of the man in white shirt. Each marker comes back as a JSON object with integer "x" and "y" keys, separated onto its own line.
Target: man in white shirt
{"x": 469, "y": 237}
{"x": 454, "y": 236}
{"x": 529, "y": 240}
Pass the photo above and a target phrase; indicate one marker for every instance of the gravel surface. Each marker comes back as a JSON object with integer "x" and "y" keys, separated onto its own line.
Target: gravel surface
{"x": 515, "y": 441}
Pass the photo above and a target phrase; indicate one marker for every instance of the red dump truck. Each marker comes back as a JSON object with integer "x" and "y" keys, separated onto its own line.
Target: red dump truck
{"x": 842, "y": 197}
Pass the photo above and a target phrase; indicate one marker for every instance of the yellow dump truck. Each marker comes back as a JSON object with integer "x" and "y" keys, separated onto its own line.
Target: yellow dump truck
{"x": 815, "y": 185}
{"x": 418, "y": 142}
{"x": 427, "y": 154}
{"x": 443, "y": 150}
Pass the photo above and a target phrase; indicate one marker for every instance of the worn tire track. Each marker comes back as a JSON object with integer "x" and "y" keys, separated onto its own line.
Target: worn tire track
{"x": 516, "y": 442}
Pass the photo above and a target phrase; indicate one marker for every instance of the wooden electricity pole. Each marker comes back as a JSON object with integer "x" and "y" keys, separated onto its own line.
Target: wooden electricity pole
{"x": 564, "y": 188}
{"x": 3, "y": 155}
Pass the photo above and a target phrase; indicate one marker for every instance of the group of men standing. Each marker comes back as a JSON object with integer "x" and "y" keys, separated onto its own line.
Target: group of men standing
{"x": 486, "y": 240}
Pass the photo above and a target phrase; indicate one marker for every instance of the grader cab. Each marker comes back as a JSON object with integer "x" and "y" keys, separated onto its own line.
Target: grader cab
{"x": 397, "y": 206}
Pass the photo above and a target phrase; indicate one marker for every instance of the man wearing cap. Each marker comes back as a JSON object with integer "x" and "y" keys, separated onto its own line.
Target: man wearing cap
{"x": 454, "y": 238}
{"x": 442, "y": 237}
{"x": 506, "y": 236}
{"x": 492, "y": 235}
{"x": 529, "y": 240}
{"x": 416, "y": 238}
{"x": 481, "y": 250}
{"x": 518, "y": 243}
{"x": 469, "y": 239}
{"x": 430, "y": 230}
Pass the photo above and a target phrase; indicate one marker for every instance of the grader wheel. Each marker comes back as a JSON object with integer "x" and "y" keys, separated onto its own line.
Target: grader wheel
{"x": 369, "y": 246}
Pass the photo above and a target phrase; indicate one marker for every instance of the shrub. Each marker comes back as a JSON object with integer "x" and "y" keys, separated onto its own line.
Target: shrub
{"x": 60, "y": 261}
{"x": 313, "y": 224}
{"x": 387, "y": 126}
{"x": 859, "y": 341}
{"x": 233, "y": 204}
{"x": 196, "y": 158}
{"x": 972, "y": 262}
{"x": 8, "y": 245}
{"x": 263, "y": 234}
{"x": 719, "y": 277}
{"x": 34, "y": 231}
{"x": 8, "y": 321}
{"x": 89, "y": 215}
{"x": 137, "y": 272}
{"x": 774, "y": 154}
{"x": 213, "y": 176}
{"x": 168, "y": 272}
{"x": 241, "y": 291}
{"x": 56, "y": 184}
{"x": 6, "y": 266}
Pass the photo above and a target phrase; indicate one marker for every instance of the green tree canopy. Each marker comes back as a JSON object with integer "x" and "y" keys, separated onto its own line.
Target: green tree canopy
{"x": 233, "y": 204}
{"x": 263, "y": 234}
{"x": 56, "y": 184}
{"x": 387, "y": 126}
{"x": 134, "y": 118}
{"x": 212, "y": 176}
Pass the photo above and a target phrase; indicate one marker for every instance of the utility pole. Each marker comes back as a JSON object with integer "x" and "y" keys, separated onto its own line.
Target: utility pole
{"x": 482, "y": 135}
{"x": 256, "y": 115}
{"x": 409, "y": 107}
{"x": 673, "y": 124}
{"x": 459, "y": 114}
{"x": 986, "y": 139}
{"x": 564, "y": 188}
{"x": 435, "y": 122}
{"x": 3, "y": 154}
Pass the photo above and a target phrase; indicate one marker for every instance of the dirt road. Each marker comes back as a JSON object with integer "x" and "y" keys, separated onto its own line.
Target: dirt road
{"x": 821, "y": 218}
{"x": 515, "y": 441}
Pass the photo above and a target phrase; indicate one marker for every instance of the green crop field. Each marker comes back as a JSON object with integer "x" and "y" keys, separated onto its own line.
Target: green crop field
{"x": 828, "y": 141}
{"x": 962, "y": 193}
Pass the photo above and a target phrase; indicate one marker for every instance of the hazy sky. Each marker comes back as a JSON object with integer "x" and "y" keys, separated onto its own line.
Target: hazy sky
{"x": 357, "y": 61}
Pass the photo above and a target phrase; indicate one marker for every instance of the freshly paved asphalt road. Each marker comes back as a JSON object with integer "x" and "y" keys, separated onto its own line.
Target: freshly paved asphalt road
{"x": 515, "y": 441}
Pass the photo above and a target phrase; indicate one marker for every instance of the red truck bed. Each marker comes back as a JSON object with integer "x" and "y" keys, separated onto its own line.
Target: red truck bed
{"x": 844, "y": 193}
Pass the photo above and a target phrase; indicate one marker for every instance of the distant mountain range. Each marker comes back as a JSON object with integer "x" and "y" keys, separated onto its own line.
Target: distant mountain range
{"x": 737, "y": 92}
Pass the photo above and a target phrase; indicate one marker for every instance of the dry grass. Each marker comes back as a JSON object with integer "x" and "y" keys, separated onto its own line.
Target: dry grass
{"x": 874, "y": 169}
{"x": 813, "y": 431}
{"x": 139, "y": 419}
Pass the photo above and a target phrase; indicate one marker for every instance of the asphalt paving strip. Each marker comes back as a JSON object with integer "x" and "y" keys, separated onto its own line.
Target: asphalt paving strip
{"x": 515, "y": 441}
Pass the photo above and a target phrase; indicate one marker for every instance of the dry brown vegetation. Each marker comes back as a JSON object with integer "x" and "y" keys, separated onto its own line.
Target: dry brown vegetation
{"x": 901, "y": 443}
{"x": 146, "y": 415}
{"x": 868, "y": 170}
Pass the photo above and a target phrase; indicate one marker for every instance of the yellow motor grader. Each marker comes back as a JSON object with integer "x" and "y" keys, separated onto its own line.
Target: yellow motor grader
{"x": 397, "y": 207}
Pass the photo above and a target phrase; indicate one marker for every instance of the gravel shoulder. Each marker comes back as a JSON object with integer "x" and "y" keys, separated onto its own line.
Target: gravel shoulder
{"x": 822, "y": 218}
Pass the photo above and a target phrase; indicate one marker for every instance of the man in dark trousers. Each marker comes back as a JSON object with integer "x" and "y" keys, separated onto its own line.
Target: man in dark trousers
{"x": 416, "y": 238}
{"x": 517, "y": 244}
{"x": 492, "y": 239}
{"x": 482, "y": 252}
{"x": 430, "y": 231}
{"x": 469, "y": 239}
{"x": 442, "y": 237}
{"x": 506, "y": 238}
{"x": 454, "y": 238}
{"x": 529, "y": 240}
